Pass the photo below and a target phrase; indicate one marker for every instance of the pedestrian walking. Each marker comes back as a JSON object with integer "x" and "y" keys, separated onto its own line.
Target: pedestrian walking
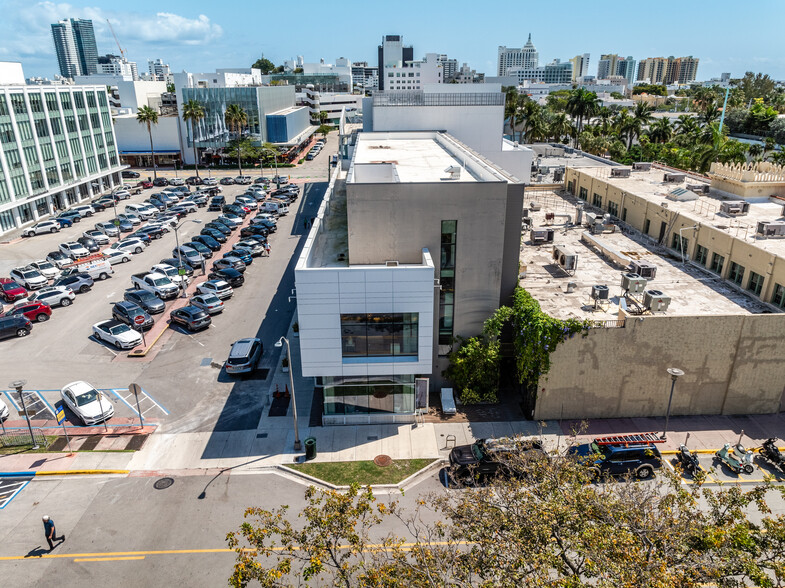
{"x": 267, "y": 248}
{"x": 305, "y": 223}
{"x": 50, "y": 532}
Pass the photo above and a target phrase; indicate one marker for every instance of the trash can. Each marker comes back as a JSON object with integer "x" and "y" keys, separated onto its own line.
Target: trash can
{"x": 310, "y": 448}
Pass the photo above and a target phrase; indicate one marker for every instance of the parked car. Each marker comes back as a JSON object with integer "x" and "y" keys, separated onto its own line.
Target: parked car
{"x": 99, "y": 206}
{"x": 15, "y": 326}
{"x": 240, "y": 253}
{"x": 640, "y": 460}
{"x": 223, "y": 222}
{"x": 146, "y": 300}
{"x": 54, "y": 296}
{"x": 46, "y": 268}
{"x": 130, "y": 245}
{"x": 172, "y": 273}
{"x": 261, "y": 180}
{"x": 244, "y": 356}
{"x": 145, "y": 185}
{"x": 74, "y": 250}
{"x": 210, "y": 303}
{"x": 159, "y": 204}
{"x": 70, "y": 215}
{"x": 230, "y": 220}
{"x": 219, "y": 288}
{"x": 209, "y": 181}
{"x": 11, "y": 290}
{"x": 88, "y": 243}
{"x": 58, "y": 258}
{"x": 251, "y": 245}
{"x": 175, "y": 263}
{"x": 48, "y": 226}
{"x": 217, "y": 235}
{"x": 84, "y": 211}
{"x": 177, "y": 182}
{"x": 87, "y": 403}
{"x": 160, "y": 182}
{"x": 203, "y": 250}
{"x": 229, "y": 262}
{"x": 107, "y": 229}
{"x": 254, "y": 230}
{"x": 189, "y": 255}
{"x": 78, "y": 282}
{"x": 229, "y": 275}
{"x": 151, "y": 232}
{"x": 97, "y": 236}
{"x": 141, "y": 235}
{"x": 115, "y": 256}
{"x": 207, "y": 241}
{"x": 227, "y": 181}
{"x": 121, "y": 194}
{"x": 125, "y": 226}
{"x": 129, "y": 313}
{"x": 116, "y": 333}
{"x": 191, "y": 317}
{"x": 194, "y": 181}
{"x": 189, "y": 206}
{"x": 266, "y": 223}
{"x": 132, "y": 218}
{"x": 29, "y": 277}
{"x": 33, "y": 310}
{"x": 127, "y": 173}
{"x": 494, "y": 457}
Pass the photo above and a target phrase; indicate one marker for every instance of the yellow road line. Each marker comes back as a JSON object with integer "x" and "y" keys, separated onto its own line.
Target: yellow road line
{"x": 109, "y": 558}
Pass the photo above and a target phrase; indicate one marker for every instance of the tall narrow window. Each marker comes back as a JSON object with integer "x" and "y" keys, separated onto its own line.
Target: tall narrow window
{"x": 447, "y": 281}
{"x": 736, "y": 274}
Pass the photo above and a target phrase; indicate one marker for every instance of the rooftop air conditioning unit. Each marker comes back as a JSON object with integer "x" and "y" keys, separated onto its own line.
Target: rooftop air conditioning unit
{"x": 558, "y": 175}
{"x": 620, "y": 172}
{"x": 673, "y": 178}
{"x": 735, "y": 207}
{"x": 656, "y": 301}
{"x": 641, "y": 166}
{"x": 541, "y": 236}
{"x": 454, "y": 171}
{"x": 771, "y": 229}
{"x": 600, "y": 292}
{"x": 644, "y": 269}
{"x": 591, "y": 218}
{"x": 633, "y": 283}
{"x": 698, "y": 188}
{"x": 567, "y": 260}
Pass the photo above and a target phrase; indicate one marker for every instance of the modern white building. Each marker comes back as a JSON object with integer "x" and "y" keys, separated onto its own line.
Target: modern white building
{"x": 158, "y": 70}
{"x": 341, "y": 68}
{"x": 392, "y": 53}
{"x": 414, "y": 74}
{"x": 331, "y": 103}
{"x": 415, "y": 244}
{"x": 526, "y": 57}
{"x": 220, "y": 78}
{"x": 114, "y": 65}
{"x": 555, "y": 72}
{"x": 127, "y": 93}
{"x": 57, "y": 148}
{"x": 364, "y": 77}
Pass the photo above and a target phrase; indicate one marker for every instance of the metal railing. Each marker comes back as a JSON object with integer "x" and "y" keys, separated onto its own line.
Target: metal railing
{"x": 610, "y": 324}
{"x": 419, "y": 98}
{"x": 19, "y": 437}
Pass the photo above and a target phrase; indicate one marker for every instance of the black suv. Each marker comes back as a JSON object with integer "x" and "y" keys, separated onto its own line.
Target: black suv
{"x": 14, "y": 326}
{"x": 128, "y": 313}
{"x": 491, "y": 457}
{"x": 216, "y": 203}
{"x": 228, "y": 275}
{"x": 604, "y": 461}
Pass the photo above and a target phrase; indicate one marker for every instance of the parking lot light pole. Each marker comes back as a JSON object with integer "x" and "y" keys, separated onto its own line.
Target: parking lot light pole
{"x": 18, "y": 385}
{"x": 279, "y": 343}
{"x": 179, "y": 253}
{"x": 675, "y": 373}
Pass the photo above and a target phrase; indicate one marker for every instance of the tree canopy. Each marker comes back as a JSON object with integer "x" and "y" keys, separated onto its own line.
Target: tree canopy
{"x": 265, "y": 65}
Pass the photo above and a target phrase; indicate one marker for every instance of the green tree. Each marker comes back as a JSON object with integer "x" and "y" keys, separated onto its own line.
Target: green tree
{"x": 241, "y": 148}
{"x": 193, "y": 112}
{"x": 651, "y": 89}
{"x": 170, "y": 87}
{"x": 617, "y": 95}
{"x": 559, "y": 126}
{"x": 236, "y": 118}
{"x": 661, "y": 131}
{"x": 755, "y": 150}
{"x": 323, "y": 116}
{"x": 581, "y": 105}
{"x": 324, "y": 130}
{"x": 755, "y": 86}
{"x": 686, "y": 124}
{"x": 148, "y": 116}
{"x": 265, "y": 65}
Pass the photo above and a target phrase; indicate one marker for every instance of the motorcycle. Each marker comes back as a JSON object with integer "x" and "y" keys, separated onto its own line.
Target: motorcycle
{"x": 745, "y": 456}
{"x": 771, "y": 453}
{"x": 736, "y": 464}
{"x": 688, "y": 460}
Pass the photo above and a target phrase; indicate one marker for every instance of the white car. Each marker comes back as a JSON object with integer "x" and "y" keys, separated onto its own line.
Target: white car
{"x": 189, "y": 206}
{"x": 130, "y": 245}
{"x": 131, "y": 218}
{"x": 210, "y": 182}
{"x": 28, "y": 277}
{"x": 171, "y": 273}
{"x": 177, "y": 182}
{"x": 53, "y": 296}
{"x": 116, "y": 333}
{"x": 121, "y": 194}
{"x": 84, "y": 210}
{"x": 41, "y": 228}
{"x": 107, "y": 229}
{"x": 97, "y": 236}
{"x": 167, "y": 219}
{"x": 74, "y": 250}
{"x": 87, "y": 403}
{"x": 220, "y": 289}
{"x": 235, "y": 222}
{"x": 114, "y": 256}
{"x": 47, "y": 268}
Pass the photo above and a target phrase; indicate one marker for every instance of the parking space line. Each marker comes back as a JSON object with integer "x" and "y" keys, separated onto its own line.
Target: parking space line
{"x": 5, "y": 499}
{"x": 51, "y": 408}
{"x": 154, "y": 401}
{"x": 11, "y": 399}
{"x": 114, "y": 391}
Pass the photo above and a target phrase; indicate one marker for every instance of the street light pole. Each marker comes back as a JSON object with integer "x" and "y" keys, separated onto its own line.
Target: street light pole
{"x": 18, "y": 385}
{"x": 180, "y": 253}
{"x": 675, "y": 373}
{"x": 297, "y": 445}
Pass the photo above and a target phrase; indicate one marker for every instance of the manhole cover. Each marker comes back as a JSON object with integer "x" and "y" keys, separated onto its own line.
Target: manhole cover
{"x": 382, "y": 460}
{"x": 164, "y": 483}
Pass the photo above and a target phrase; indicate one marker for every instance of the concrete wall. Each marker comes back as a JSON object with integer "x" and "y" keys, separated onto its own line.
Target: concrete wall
{"x": 733, "y": 365}
{"x": 395, "y": 221}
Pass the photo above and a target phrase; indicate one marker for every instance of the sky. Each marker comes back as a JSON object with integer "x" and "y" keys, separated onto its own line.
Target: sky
{"x": 201, "y": 36}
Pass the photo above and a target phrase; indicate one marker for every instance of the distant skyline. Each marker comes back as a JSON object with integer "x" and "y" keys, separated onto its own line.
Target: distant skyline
{"x": 202, "y": 36}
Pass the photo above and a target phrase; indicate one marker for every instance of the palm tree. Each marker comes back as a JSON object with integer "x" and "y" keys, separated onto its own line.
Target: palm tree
{"x": 148, "y": 116}
{"x": 236, "y": 118}
{"x": 582, "y": 104}
{"x": 559, "y": 126}
{"x": 323, "y": 116}
{"x": 193, "y": 112}
{"x": 661, "y": 131}
{"x": 686, "y": 124}
{"x": 755, "y": 150}
{"x": 511, "y": 104}
{"x": 643, "y": 112}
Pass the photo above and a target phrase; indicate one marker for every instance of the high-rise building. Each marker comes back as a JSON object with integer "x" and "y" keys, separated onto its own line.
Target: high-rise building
{"x": 526, "y": 58}
{"x": 393, "y": 53}
{"x": 364, "y": 77}
{"x": 625, "y": 67}
{"x": 114, "y": 65}
{"x": 606, "y": 66}
{"x": 668, "y": 70}
{"x": 449, "y": 68}
{"x": 158, "y": 70}
{"x": 612, "y": 66}
{"x": 74, "y": 41}
{"x": 555, "y": 72}
{"x": 580, "y": 66}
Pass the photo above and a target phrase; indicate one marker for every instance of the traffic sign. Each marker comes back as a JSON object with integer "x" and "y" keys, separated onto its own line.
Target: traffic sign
{"x": 139, "y": 320}
{"x": 181, "y": 271}
{"x": 60, "y": 413}
{"x": 116, "y": 223}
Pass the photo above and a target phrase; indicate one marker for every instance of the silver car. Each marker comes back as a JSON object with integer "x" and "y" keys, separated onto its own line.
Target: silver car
{"x": 207, "y": 302}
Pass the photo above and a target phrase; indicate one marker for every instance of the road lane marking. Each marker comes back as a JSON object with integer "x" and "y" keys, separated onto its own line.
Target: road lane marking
{"x": 109, "y": 558}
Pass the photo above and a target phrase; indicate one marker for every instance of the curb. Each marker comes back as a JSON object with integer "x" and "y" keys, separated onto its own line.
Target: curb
{"x": 437, "y": 463}
{"x": 710, "y": 451}
{"x": 61, "y": 473}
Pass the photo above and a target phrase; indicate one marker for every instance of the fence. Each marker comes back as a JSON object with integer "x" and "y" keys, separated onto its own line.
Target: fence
{"x": 18, "y": 437}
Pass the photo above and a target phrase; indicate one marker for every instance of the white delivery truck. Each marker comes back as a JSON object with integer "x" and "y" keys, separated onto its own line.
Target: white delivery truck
{"x": 96, "y": 266}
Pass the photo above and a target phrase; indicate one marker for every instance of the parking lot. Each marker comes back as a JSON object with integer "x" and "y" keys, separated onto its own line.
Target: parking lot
{"x": 180, "y": 374}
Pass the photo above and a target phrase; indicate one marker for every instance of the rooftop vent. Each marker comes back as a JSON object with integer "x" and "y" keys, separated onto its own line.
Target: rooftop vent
{"x": 735, "y": 207}
{"x": 620, "y": 172}
{"x": 641, "y": 166}
{"x": 391, "y": 263}
{"x": 674, "y": 178}
{"x": 454, "y": 172}
{"x": 541, "y": 236}
{"x": 698, "y": 188}
{"x": 771, "y": 229}
{"x": 681, "y": 195}
{"x": 656, "y": 301}
{"x": 600, "y": 292}
{"x": 558, "y": 175}
{"x": 644, "y": 269}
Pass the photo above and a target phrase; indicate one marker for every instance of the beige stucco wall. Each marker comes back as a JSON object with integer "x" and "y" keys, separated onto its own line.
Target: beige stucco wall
{"x": 733, "y": 365}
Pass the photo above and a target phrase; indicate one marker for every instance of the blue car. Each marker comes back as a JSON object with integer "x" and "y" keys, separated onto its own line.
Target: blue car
{"x": 241, "y": 253}
{"x": 64, "y": 222}
{"x": 126, "y": 226}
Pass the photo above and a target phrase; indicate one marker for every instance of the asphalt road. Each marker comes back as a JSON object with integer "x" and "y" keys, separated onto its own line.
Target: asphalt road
{"x": 179, "y": 377}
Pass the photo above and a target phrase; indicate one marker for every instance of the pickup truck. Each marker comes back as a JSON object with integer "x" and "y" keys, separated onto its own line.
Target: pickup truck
{"x": 157, "y": 283}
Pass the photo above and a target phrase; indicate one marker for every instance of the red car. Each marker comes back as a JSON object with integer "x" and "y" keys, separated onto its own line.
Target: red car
{"x": 145, "y": 184}
{"x": 35, "y": 311}
{"x": 11, "y": 290}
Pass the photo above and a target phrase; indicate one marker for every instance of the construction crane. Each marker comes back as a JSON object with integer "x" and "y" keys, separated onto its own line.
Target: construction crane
{"x": 122, "y": 53}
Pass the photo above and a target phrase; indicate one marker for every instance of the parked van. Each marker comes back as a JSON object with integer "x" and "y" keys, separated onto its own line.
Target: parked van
{"x": 270, "y": 206}
{"x": 283, "y": 209}
{"x": 143, "y": 210}
{"x": 96, "y": 266}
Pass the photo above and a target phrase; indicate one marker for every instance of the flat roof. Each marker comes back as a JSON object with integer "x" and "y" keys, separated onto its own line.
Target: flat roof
{"x": 692, "y": 290}
{"x": 703, "y": 210}
{"x": 418, "y": 157}
{"x": 550, "y": 156}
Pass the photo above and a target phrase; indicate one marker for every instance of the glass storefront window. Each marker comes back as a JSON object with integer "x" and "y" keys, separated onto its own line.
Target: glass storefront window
{"x": 379, "y": 335}
{"x": 359, "y": 395}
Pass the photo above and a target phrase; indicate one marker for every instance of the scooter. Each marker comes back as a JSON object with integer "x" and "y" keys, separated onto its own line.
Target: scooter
{"x": 745, "y": 456}
{"x": 771, "y": 453}
{"x": 727, "y": 456}
{"x": 688, "y": 460}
